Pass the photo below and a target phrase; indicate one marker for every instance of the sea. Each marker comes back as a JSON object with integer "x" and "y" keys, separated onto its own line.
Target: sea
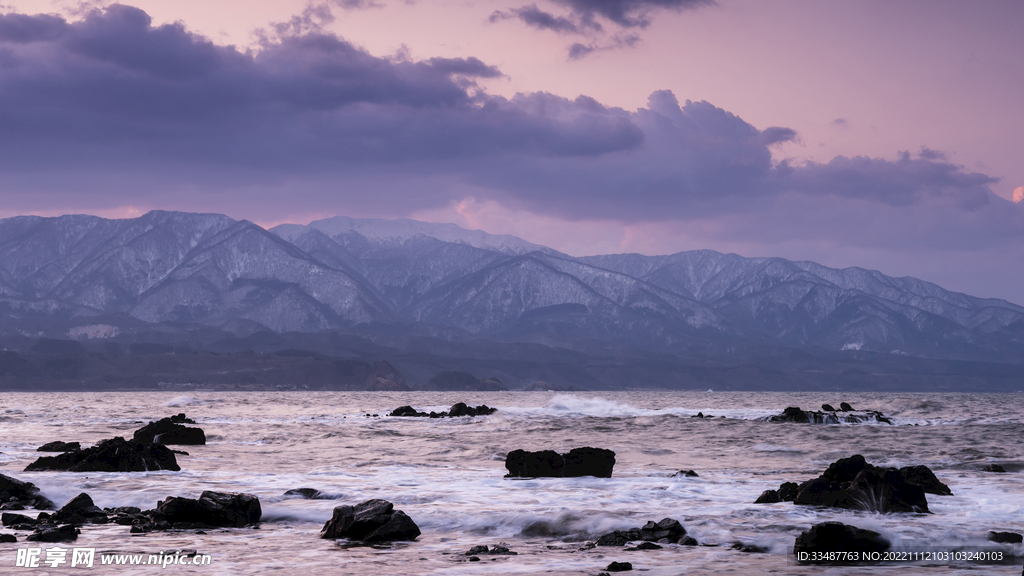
{"x": 448, "y": 476}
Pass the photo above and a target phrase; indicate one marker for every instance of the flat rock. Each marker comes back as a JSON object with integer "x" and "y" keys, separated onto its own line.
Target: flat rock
{"x": 1006, "y": 537}
{"x": 52, "y": 533}
{"x": 58, "y": 446}
{"x": 371, "y": 521}
{"x": 113, "y": 455}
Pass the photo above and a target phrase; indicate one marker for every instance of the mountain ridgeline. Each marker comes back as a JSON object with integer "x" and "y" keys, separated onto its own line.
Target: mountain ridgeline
{"x": 444, "y": 297}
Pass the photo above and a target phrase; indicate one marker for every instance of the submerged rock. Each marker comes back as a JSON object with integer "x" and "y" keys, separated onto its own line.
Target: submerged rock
{"x": 687, "y": 473}
{"x": 171, "y": 431}
{"x": 457, "y": 410}
{"x": 994, "y": 468}
{"x": 667, "y": 531}
{"x": 371, "y": 521}
{"x": 838, "y": 537}
{"x": 585, "y": 461}
{"x": 308, "y": 494}
{"x": 795, "y": 414}
{"x": 26, "y": 493}
{"x": 619, "y": 567}
{"x": 497, "y": 550}
{"x": 1006, "y": 537}
{"x": 58, "y": 446}
{"x": 113, "y": 455}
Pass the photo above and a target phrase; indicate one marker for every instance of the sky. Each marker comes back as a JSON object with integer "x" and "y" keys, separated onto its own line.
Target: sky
{"x": 885, "y": 135}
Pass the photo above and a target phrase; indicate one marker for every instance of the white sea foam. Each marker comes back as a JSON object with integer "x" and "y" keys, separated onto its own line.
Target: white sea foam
{"x": 184, "y": 401}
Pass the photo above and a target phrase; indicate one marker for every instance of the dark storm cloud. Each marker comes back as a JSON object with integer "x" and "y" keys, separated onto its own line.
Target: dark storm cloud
{"x": 110, "y": 110}
{"x": 112, "y": 88}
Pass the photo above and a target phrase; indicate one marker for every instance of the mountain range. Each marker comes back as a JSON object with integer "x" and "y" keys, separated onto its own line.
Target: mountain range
{"x": 175, "y": 276}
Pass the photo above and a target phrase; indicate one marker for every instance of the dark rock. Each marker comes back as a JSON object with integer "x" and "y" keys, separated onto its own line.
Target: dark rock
{"x": 768, "y": 497}
{"x": 876, "y": 489}
{"x": 11, "y": 519}
{"x": 51, "y": 533}
{"x": 542, "y": 464}
{"x": 577, "y": 462}
{"x": 113, "y": 455}
{"x": 925, "y": 478}
{"x": 370, "y": 521}
{"x": 823, "y": 492}
{"x": 839, "y": 537}
{"x": 788, "y": 490}
{"x": 171, "y": 431}
{"x": 845, "y": 407}
{"x": 846, "y": 469}
{"x": 689, "y": 473}
{"x": 497, "y": 549}
{"x": 474, "y": 558}
{"x": 12, "y": 505}
{"x": 58, "y": 446}
{"x": 994, "y": 468}
{"x": 667, "y": 530}
{"x": 477, "y": 550}
{"x": 80, "y": 510}
{"x": 750, "y": 548}
{"x": 129, "y": 510}
{"x": 587, "y": 461}
{"x": 698, "y": 415}
{"x": 795, "y": 414}
{"x": 306, "y": 493}
{"x": 212, "y": 509}
{"x": 24, "y": 492}
{"x": 619, "y": 567}
{"x": 459, "y": 409}
{"x": 827, "y": 408}
{"x": 7, "y": 538}
{"x": 1006, "y": 537}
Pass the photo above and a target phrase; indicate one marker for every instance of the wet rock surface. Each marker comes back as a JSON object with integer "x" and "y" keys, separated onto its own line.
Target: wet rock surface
{"x": 854, "y": 484}
{"x": 586, "y": 461}
{"x": 113, "y": 455}
{"x": 667, "y": 531}
{"x": 1006, "y": 537}
{"x": 171, "y": 430}
{"x": 799, "y": 416}
{"x": 370, "y": 521}
{"x": 24, "y": 493}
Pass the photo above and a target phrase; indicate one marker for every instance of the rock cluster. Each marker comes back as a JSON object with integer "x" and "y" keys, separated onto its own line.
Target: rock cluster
{"x": 667, "y": 531}
{"x": 458, "y": 409}
{"x": 113, "y": 455}
{"x": 584, "y": 461}
{"x": 854, "y": 484}
{"x": 828, "y": 415}
{"x": 371, "y": 521}
{"x": 171, "y": 431}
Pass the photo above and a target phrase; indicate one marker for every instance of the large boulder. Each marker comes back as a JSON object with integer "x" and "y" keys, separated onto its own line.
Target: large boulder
{"x": 171, "y": 431}
{"x": 923, "y": 476}
{"x": 589, "y": 461}
{"x": 854, "y": 484}
{"x": 113, "y": 455}
{"x": 212, "y": 509}
{"x": 541, "y": 464}
{"x": 837, "y": 537}
{"x": 371, "y": 521}
{"x": 25, "y": 493}
{"x": 79, "y": 510}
